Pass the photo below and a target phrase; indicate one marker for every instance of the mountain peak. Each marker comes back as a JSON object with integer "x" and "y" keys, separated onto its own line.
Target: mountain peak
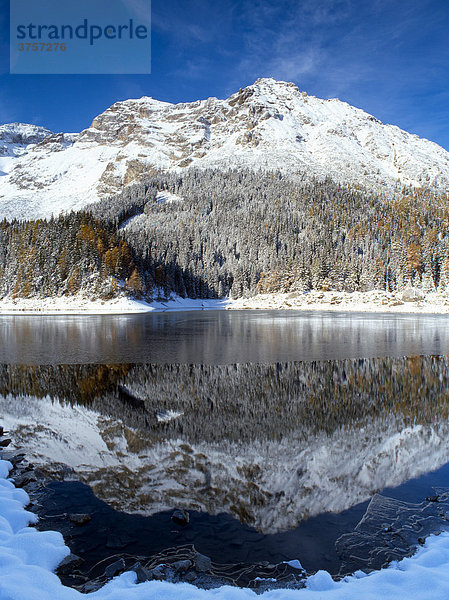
{"x": 271, "y": 83}
{"x": 269, "y": 90}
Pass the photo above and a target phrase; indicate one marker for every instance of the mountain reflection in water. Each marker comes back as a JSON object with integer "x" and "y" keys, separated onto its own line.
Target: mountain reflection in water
{"x": 269, "y": 444}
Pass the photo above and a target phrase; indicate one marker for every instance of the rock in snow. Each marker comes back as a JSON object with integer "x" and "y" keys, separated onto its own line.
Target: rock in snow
{"x": 114, "y": 568}
{"x": 268, "y": 125}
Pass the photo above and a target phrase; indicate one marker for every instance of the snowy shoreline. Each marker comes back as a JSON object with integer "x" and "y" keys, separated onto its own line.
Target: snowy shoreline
{"x": 375, "y": 301}
{"x": 75, "y": 305}
{"x": 26, "y": 574}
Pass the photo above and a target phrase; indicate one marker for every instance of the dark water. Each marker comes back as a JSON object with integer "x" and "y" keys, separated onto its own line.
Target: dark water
{"x": 218, "y": 337}
{"x": 274, "y": 430}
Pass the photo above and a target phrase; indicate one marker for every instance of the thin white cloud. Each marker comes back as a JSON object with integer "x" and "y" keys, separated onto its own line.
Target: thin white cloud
{"x": 194, "y": 22}
{"x": 325, "y": 12}
{"x": 139, "y": 8}
{"x": 281, "y": 42}
{"x": 195, "y": 68}
{"x": 129, "y": 88}
{"x": 324, "y": 41}
{"x": 288, "y": 67}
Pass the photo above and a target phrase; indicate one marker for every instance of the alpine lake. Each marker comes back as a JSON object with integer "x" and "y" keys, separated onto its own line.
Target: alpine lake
{"x": 255, "y": 437}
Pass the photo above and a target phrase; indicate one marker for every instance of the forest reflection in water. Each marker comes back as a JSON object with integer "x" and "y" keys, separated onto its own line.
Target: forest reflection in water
{"x": 268, "y": 444}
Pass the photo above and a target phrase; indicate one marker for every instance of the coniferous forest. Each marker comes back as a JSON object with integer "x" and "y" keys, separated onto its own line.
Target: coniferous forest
{"x": 209, "y": 234}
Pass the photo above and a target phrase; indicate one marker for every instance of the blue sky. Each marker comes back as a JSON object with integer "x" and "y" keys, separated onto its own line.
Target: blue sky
{"x": 389, "y": 57}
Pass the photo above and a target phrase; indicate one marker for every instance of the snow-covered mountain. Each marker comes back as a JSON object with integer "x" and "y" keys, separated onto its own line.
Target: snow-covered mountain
{"x": 16, "y": 139}
{"x": 270, "y": 125}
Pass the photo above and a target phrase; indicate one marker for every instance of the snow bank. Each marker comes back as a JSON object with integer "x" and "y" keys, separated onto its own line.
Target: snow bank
{"x": 375, "y": 301}
{"x": 28, "y": 556}
{"x": 82, "y": 305}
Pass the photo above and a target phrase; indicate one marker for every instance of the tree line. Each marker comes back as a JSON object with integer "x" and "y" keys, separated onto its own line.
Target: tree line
{"x": 234, "y": 233}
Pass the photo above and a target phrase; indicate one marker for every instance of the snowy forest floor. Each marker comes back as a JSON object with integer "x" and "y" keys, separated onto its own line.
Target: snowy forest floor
{"x": 377, "y": 301}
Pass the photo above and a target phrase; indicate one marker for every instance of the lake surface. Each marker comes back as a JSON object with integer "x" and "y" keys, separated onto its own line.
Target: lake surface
{"x": 218, "y": 337}
{"x": 273, "y": 429}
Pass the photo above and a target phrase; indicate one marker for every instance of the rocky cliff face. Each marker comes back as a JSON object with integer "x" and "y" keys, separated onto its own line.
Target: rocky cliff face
{"x": 268, "y": 125}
